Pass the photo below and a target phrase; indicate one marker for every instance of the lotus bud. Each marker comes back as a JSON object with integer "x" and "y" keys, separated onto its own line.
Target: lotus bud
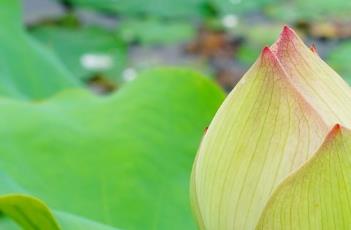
{"x": 269, "y": 126}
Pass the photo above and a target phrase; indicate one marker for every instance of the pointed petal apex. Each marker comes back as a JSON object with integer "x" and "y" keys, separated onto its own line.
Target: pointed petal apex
{"x": 287, "y": 30}
{"x": 310, "y": 74}
{"x": 313, "y": 48}
{"x": 287, "y": 33}
{"x": 334, "y": 132}
{"x": 311, "y": 191}
{"x": 286, "y": 37}
{"x": 266, "y": 50}
{"x": 267, "y": 56}
{"x": 269, "y": 62}
{"x": 336, "y": 129}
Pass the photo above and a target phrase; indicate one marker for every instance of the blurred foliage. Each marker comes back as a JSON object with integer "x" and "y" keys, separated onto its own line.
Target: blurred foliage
{"x": 179, "y": 8}
{"x": 153, "y": 31}
{"x": 256, "y": 37}
{"x": 340, "y": 59}
{"x": 27, "y": 69}
{"x": 295, "y": 10}
{"x": 284, "y": 10}
{"x": 241, "y": 6}
{"x": 85, "y": 51}
{"x": 160, "y": 23}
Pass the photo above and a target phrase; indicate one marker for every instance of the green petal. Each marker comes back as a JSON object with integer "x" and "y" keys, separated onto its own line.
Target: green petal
{"x": 29, "y": 212}
{"x": 317, "y": 196}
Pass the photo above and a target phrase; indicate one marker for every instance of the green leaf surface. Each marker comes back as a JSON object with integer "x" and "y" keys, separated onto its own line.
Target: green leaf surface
{"x": 74, "y": 222}
{"x": 27, "y": 70}
{"x": 123, "y": 160}
{"x": 65, "y": 221}
{"x": 85, "y": 51}
{"x": 318, "y": 195}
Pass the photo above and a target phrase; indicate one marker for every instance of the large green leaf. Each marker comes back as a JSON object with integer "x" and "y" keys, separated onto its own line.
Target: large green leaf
{"x": 122, "y": 160}
{"x": 318, "y": 195}
{"x": 85, "y": 51}
{"x": 27, "y": 70}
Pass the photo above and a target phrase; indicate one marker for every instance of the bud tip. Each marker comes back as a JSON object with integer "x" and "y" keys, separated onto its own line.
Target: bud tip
{"x": 335, "y": 131}
{"x": 313, "y": 48}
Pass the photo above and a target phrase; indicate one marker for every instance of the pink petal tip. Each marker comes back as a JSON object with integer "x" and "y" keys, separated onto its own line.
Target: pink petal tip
{"x": 266, "y": 50}
{"x": 313, "y": 48}
{"x": 287, "y": 34}
{"x": 267, "y": 55}
{"x": 335, "y": 131}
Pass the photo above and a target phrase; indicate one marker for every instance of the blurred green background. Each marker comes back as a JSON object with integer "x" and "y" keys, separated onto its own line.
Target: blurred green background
{"x": 103, "y": 103}
{"x": 220, "y": 38}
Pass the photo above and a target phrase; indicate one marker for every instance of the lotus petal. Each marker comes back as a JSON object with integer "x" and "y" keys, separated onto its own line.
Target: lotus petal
{"x": 318, "y": 196}
{"x": 269, "y": 125}
{"x": 319, "y": 84}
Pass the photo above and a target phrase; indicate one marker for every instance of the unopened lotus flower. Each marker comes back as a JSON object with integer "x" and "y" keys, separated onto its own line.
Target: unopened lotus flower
{"x": 277, "y": 155}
